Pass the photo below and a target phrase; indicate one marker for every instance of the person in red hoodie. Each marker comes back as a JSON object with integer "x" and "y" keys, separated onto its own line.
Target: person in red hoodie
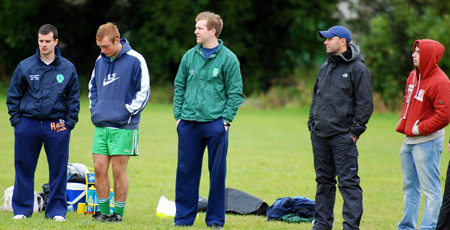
{"x": 425, "y": 113}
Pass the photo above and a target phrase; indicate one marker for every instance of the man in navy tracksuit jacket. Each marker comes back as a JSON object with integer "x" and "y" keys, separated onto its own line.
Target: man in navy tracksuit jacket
{"x": 43, "y": 102}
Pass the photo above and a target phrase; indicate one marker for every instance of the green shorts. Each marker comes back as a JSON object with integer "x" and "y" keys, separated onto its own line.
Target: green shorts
{"x": 109, "y": 141}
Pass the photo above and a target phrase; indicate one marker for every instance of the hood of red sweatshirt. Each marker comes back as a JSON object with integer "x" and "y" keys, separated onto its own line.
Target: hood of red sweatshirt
{"x": 430, "y": 54}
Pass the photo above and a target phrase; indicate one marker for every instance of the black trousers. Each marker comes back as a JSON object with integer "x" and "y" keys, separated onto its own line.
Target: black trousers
{"x": 336, "y": 156}
{"x": 444, "y": 215}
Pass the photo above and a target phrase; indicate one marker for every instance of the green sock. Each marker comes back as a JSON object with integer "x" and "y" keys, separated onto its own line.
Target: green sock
{"x": 119, "y": 208}
{"x": 103, "y": 205}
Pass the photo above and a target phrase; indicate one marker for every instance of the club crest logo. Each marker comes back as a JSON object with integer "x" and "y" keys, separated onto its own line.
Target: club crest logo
{"x": 60, "y": 78}
{"x": 215, "y": 72}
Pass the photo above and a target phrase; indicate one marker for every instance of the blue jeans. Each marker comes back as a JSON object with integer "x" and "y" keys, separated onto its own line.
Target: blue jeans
{"x": 420, "y": 169}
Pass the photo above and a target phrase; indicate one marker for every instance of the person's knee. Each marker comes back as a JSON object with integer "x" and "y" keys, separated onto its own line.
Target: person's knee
{"x": 100, "y": 170}
{"x": 119, "y": 170}
{"x": 119, "y": 164}
{"x": 101, "y": 161}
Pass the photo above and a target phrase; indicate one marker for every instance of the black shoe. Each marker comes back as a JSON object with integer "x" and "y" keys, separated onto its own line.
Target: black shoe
{"x": 215, "y": 226}
{"x": 100, "y": 217}
{"x": 115, "y": 218}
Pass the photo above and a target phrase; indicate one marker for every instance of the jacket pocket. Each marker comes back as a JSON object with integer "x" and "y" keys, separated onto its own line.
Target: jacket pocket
{"x": 401, "y": 126}
{"x": 110, "y": 113}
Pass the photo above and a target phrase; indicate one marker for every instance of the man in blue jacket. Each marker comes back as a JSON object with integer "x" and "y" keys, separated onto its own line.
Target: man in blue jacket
{"x": 118, "y": 91}
{"x": 43, "y": 102}
{"x": 340, "y": 109}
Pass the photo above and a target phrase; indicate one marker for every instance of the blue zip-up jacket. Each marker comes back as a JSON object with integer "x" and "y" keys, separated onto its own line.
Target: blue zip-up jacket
{"x": 44, "y": 92}
{"x": 119, "y": 89}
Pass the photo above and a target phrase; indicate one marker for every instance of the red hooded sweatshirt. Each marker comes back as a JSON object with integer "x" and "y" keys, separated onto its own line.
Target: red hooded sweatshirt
{"x": 427, "y": 94}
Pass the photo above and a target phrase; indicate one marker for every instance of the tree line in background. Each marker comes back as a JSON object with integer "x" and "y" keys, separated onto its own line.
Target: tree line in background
{"x": 272, "y": 38}
{"x": 388, "y": 29}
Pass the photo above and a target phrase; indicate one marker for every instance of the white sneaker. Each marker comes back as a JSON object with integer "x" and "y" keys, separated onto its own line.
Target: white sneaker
{"x": 18, "y": 217}
{"x": 59, "y": 218}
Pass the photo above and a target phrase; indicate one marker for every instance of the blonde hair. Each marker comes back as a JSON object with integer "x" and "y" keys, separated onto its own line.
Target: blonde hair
{"x": 212, "y": 21}
{"x": 108, "y": 29}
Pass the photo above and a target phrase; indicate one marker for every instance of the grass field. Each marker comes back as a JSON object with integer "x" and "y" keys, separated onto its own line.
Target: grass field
{"x": 269, "y": 157}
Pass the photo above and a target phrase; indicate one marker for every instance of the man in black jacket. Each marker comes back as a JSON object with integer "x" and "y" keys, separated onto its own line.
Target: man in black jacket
{"x": 340, "y": 109}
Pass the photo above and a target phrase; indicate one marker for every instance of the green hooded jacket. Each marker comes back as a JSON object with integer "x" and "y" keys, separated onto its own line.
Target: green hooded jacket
{"x": 206, "y": 90}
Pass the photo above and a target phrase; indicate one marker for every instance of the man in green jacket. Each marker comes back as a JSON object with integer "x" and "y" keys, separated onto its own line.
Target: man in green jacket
{"x": 208, "y": 92}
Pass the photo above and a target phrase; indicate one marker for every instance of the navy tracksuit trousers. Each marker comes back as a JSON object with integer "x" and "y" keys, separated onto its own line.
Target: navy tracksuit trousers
{"x": 336, "y": 156}
{"x": 30, "y": 134}
{"x": 193, "y": 138}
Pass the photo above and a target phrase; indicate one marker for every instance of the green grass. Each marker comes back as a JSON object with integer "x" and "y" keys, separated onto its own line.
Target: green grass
{"x": 269, "y": 157}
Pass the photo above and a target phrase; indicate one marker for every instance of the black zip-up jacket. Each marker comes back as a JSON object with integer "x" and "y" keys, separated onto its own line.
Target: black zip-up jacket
{"x": 342, "y": 98}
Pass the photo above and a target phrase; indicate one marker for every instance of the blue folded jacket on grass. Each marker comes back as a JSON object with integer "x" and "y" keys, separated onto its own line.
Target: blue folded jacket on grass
{"x": 292, "y": 209}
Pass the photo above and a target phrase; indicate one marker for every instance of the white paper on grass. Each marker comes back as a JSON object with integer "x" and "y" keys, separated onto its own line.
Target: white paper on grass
{"x": 166, "y": 208}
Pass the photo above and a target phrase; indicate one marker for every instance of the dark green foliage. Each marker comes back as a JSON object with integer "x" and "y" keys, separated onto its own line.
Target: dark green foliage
{"x": 270, "y": 37}
{"x": 389, "y": 29}
{"x": 76, "y": 21}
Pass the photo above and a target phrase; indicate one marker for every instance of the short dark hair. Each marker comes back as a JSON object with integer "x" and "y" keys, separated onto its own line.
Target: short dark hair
{"x": 47, "y": 28}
